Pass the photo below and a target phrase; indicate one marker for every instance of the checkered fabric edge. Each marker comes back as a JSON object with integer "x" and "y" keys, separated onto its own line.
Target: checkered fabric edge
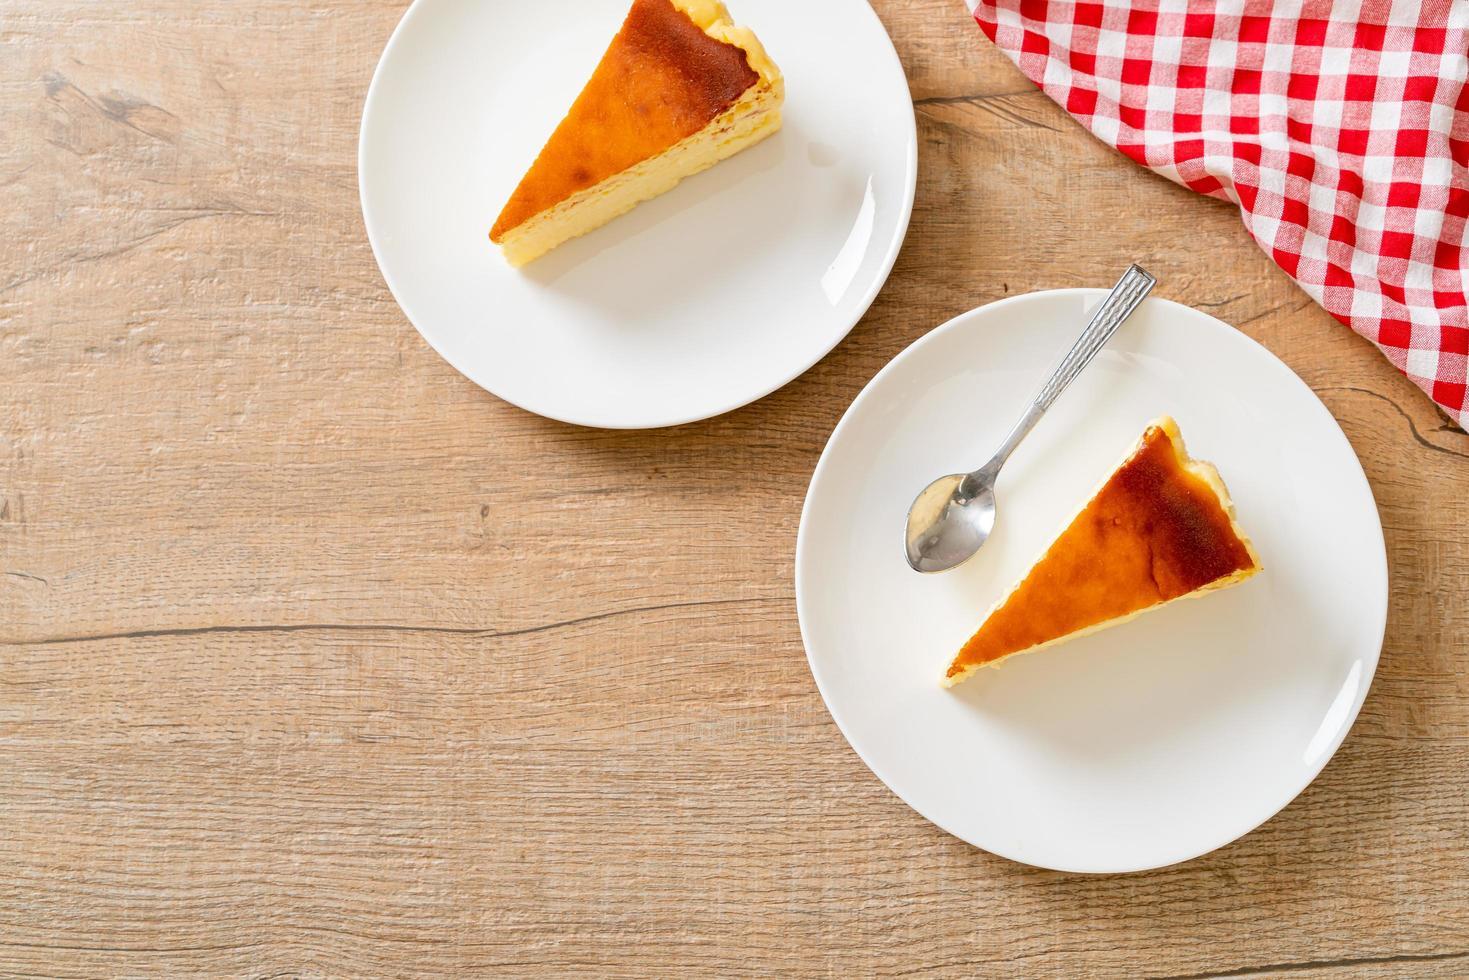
{"x": 1339, "y": 129}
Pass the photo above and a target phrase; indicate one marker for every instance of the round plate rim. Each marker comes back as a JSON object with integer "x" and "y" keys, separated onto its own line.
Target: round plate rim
{"x": 1206, "y": 321}
{"x": 874, "y": 288}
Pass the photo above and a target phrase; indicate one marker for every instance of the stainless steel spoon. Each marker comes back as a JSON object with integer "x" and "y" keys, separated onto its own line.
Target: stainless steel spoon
{"x": 953, "y": 516}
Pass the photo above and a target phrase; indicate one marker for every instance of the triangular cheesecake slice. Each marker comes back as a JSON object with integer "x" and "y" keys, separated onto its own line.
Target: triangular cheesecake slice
{"x": 680, "y": 89}
{"x": 1161, "y": 528}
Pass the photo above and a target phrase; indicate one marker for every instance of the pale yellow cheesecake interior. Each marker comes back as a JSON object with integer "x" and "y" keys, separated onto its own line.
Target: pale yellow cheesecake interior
{"x": 747, "y": 122}
{"x": 734, "y": 123}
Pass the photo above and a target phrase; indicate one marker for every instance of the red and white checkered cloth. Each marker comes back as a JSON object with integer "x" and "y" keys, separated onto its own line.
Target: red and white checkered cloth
{"x": 1341, "y": 129}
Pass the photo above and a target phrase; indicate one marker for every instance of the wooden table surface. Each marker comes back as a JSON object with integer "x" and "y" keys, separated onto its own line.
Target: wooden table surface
{"x": 305, "y": 669}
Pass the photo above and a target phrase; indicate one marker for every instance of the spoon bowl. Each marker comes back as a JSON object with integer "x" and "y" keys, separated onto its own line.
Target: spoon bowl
{"x": 949, "y": 522}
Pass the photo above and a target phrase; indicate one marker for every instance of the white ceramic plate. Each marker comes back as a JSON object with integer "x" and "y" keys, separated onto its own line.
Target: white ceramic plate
{"x": 1143, "y": 745}
{"x": 696, "y": 303}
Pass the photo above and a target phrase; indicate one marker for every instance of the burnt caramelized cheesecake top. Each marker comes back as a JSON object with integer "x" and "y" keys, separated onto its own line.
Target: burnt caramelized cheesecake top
{"x": 661, "y": 81}
{"x": 1157, "y": 530}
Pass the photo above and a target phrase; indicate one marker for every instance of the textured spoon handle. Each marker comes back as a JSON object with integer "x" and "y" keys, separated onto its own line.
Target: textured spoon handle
{"x": 1130, "y": 291}
{"x": 1125, "y": 297}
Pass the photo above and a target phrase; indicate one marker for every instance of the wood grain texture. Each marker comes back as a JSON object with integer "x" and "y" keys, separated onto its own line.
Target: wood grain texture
{"x": 302, "y": 672}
